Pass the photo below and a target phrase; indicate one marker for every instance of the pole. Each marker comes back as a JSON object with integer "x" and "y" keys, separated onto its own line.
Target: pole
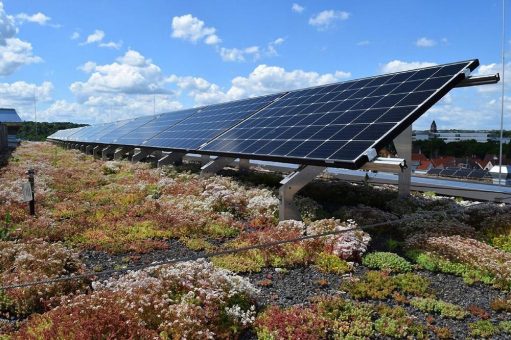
{"x": 35, "y": 110}
{"x": 32, "y": 186}
{"x": 503, "y": 87}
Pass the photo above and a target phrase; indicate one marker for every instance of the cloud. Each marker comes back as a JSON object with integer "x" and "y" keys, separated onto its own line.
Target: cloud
{"x": 14, "y": 54}
{"x": 425, "y": 42}
{"x": 398, "y": 66}
{"x": 190, "y": 28}
{"x": 488, "y": 69}
{"x": 297, "y": 8}
{"x": 75, "y": 36}
{"x": 20, "y": 95}
{"x": 8, "y": 27}
{"x": 107, "y": 108}
{"x": 363, "y": 43}
{"x": 37, "y": 18}
{"x": 95, "y": 37}
{"x": 111, "y": 44}
{"x": 131, "y": 73}
{"x": 326, "y": 19}
{"x": 263, "y": 79}
{"x": 252, "y": 52}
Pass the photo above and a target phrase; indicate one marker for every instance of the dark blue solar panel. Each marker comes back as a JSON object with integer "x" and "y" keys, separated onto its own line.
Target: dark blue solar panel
{"x": 434, "y": 171}
{"x": 84, "y": 134}
{"x": 338, "y": 123}
{"x": 119, "y": 131}
{"x": 207, "y": 123}
{"x": 153, "y": 127}
{"x": 9, "y": 116}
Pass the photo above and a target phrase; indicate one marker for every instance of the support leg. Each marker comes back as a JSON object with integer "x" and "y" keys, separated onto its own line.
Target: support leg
{"x": 175, "y": 158}
{"x": 291, "y": 184}
{"x": 88, "y": 149}
{"x": 96, "y": 152}
{"x": 139, "y": 155}
{"x": 107, "y": 152}
{"x": 215, "y": 166}
{"x": 120, "y": 153}
{"x": 205, "y": 159}
{"x": 403, "y": 144}
{"x": 244, "y": 164}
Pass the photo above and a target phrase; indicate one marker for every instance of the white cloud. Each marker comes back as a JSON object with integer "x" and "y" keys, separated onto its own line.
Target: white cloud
{"x": 75, "y": 36}
{"x": 38, "y": 18}
{"x": 398, "y": 66}
{"x": 8, "y": 27}
{"x": 489, "y": 69}
{"x": 262, "y": 80}
{"x": 326, "y": 19}
{"x": 252, "y": 52}
{"x": 14, "y": 54}
{"x": 88, "y": 67}
{"x": 111, "y": 44}
{"x": 131, "y": 73}
{"x": 20, "y": 95}
{"x": 107, "y": 108}
{"x": 425, "y": 42}
{"x": 190, "y": 28}
{"x": 95, "y": 37}
{"x": 297, "y": 8}
{"x": 363, "y": 43}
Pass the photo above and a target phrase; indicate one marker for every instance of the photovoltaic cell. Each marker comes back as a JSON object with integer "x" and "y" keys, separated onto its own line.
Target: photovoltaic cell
{"x": 129, "y": 127}
{"x": 338, "y": 123}
{"x": 9, "y": 116}
{"x": 207, "y": 123}
{"x": 153, "y": 127}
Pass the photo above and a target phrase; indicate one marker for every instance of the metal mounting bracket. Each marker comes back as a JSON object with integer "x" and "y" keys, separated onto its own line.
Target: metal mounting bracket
{"x": 244, "y": 164}
{"x": 175, "y": 158}
{"x": 479, "y": 80}
{"x": 120, "y": 152}
{"x": 403, "y": 144}
{"x": 139, "y": 155}
{"x": 96, "y": 152}
{"x": 395, "y": 165}
{"x": 88, "y": 149}
{"x": 290, "y": 185}
{"x": 106, "y": 152}
{"x": 215, "y": 166}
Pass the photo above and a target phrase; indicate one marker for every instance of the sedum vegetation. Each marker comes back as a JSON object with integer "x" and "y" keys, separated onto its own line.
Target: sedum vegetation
{"x": 368, "y": 283}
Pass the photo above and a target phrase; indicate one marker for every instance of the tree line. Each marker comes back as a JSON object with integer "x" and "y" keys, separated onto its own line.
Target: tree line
{"x": 41, "y": 130}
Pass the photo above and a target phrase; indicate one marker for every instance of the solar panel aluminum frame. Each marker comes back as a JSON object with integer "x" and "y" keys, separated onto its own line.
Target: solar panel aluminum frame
{"x": 385, "y": 140}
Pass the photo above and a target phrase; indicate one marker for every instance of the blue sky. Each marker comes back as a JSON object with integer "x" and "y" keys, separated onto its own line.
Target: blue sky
{"x": 95, "y": 61}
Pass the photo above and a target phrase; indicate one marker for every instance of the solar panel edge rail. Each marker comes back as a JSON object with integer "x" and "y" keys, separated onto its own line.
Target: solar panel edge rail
{"x": 344, "y": 106}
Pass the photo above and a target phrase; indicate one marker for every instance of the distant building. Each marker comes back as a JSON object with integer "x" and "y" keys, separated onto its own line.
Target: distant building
{"x": 449, "y": 136}
{"x": 10, "y": 123}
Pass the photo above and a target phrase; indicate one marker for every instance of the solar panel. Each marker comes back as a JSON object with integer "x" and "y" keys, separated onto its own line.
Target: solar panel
{"x": 477, "y": 174}
{"x": 153, "y": 127}
{"x": 84, "y": 134}
{"x": 207, "y": 123}
{"x": 448, "y": 172}
{"x": 462, "y": 173}
{"x": 132, "y": 125}
{"x": 9, "y": 116}
{"x": 337, "y": 124}
{"x": 434, "y": 172}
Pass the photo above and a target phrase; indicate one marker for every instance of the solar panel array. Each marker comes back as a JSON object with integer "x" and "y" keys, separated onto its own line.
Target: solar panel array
{"x": 335, "y": 124}
{"x": 460, "y": 173}
{"x": 9, "y": 116}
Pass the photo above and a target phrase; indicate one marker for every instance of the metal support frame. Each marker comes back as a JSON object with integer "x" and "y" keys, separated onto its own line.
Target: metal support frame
{"x": 215, "y": 166}
{"x": 244, "y": 164}
{"x": 140, "y": 154}
{"x": 107, "y": 152}
{"x": 82, "y": 147}
{"x": 88, "y": 149}
{"x": 96, "y": 152}
{"x": 290, "y": 185}
{"x": 479, "y": 80}
{"x": 175, "y": 158}
{"x": 120, "y": 152}
{"x": 384, "y": 164}
{"x": 403, "y": 144}
{"x": 205, "y": 159}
